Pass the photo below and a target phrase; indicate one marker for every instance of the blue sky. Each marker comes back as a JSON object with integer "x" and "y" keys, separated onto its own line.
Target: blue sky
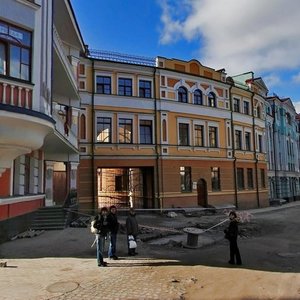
{"x": 240, "y": 36}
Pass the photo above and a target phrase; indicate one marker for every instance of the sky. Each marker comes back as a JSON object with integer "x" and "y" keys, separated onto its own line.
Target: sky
{"x": 262, "y": 36}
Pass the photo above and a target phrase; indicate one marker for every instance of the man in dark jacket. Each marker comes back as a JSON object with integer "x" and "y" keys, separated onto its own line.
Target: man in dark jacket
{"x": 132, "y": 228}
{"x": 114, "y": 227}
{"x": 102, "y": 226}
{"x": 231, "y": 233}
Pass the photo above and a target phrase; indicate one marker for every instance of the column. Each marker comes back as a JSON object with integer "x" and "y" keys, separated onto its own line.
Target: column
{"x": 49, "y": 183}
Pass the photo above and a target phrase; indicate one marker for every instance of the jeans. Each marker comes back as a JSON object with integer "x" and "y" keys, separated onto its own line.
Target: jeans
{"x": 100, "y": 242}
{"x": 112, "y": 245}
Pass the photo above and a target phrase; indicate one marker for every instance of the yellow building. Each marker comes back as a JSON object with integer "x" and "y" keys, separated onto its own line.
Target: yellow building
{"x": 168, "y": 133}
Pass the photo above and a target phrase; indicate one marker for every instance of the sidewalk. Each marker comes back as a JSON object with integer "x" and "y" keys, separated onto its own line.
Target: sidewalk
{"x": 62, "y": 265}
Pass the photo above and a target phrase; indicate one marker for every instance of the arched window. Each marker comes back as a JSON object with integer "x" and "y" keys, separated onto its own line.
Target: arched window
{"x": 258, "y": 111}
{"x": 212, "y": 100}
{"x": 82, "y": 127}
{"x": 198, "y": 97}
{"x": 182, "y": 95}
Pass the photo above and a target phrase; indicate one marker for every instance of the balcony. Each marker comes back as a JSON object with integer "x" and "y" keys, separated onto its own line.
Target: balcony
{"x": 64, "y": 79}
{"x": 15, "y": 93}
{"x": 63, "y": 142}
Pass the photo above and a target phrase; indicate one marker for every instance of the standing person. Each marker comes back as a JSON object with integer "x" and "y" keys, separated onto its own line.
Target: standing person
{"x": 231, "y": 233}
{"x": 114, "y": 227}
{"x": 132, "y": 228}
{"x": 102, "y": 226}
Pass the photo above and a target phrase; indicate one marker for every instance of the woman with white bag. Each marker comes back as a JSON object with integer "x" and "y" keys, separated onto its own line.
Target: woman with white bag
{"x": 132, "y": 229}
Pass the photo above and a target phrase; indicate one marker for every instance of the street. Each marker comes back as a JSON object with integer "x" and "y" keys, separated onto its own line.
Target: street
{"x": 62, "y": 264}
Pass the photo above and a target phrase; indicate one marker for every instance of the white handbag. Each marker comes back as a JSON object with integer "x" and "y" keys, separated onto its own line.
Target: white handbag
{"x": 132, "y": 242}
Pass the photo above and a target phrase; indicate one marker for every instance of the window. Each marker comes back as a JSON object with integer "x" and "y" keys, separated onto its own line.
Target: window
{"x": 186, "y": 179}
{"x": 184, "y": 134}
{"x": 145, "y": 89}
{"x": 258, "y": 112}
{"x": 182, "y": 94}
{"x": 212, "y": 134}
{"x": 103, "y": 130}
{"x": 240, "y": 178}
{"x": 82, "y": 127}
{"x": 198, "y": 97}
{"x": 121, "y": 183}
{"x": 103, "y": 85}
{"x": 15, "y": 52}
{"x": 238, "y": 139}
{"x": 212, "y": 100}
{"x": 199, "y": 135}
{"x": 125, "y": 86}
{"x": 260, "y": 149}
{"x": 250, "y": 178}
{"x": 215, "y": 179}
{"x": 145, "y": 131}
{"x": 246, "y": 108}
{"x": 125, "y": 131}
{"x": 262, "y": 178}
{"x": 248, "y": 141}
{"x": 236, "y": 105}
{"x": 288, "y": 118}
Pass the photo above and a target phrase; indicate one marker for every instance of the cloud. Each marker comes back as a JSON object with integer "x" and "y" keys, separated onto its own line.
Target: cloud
{"x": 272, "y": 80}
{"x": 296, "y": 78}
{"x": 239, "y": 35}
{"x": 297, "y": 106}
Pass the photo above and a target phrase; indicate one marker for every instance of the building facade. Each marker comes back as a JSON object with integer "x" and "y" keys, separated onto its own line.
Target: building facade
{"x": 40, "y": 45}
{"x": 282, "y": 132}
{"x": 169, "y": 134}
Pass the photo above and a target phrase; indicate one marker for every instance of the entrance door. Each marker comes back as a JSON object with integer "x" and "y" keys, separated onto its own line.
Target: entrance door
{"x": 59, "y": 187}
{"x": 202, "y": 192}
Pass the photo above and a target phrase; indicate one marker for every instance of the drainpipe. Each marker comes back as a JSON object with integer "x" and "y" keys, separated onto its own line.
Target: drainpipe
{"x": 255, "y": 153}
{"x": 233, "y": 150}
{"x": 95, "y": 207}
{"x": 156, "y": 141}
{"x": 275, "y": 152}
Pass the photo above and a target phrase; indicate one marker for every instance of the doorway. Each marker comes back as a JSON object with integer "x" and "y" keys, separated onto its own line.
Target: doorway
{"x": 202, "y": 192}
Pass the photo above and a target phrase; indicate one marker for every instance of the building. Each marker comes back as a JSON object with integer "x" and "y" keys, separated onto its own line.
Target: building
{"x": 40, "y": 46}
{"x": 282, "y": 132}
{"x": 169, "y": 133}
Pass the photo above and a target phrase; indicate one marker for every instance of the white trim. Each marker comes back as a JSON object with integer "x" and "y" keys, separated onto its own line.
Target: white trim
{"x": 12, "y": 200}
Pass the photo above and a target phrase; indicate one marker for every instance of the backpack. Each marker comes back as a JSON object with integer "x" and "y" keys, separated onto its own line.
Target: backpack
{"x": 93, "y": 229}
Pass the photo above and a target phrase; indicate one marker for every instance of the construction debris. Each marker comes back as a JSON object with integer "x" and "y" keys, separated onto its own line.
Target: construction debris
{"x": 3, "y": 264}
{"x": 27, "y": 234}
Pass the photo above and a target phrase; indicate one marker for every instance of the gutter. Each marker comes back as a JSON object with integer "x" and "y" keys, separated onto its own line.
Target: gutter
{"x": 255, "y": 153}
{"x": 233, "y": 150}
{"x": 95, "y": 207}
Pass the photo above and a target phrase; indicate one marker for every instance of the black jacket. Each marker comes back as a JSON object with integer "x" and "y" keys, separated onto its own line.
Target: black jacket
{"x": 102, "y": 224}
{"x": 231, "y": 233}
{"x": 132, "y": 225}
{"x": 113, "y": 223}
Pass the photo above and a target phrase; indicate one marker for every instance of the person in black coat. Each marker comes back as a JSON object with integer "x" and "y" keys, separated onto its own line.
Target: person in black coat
{"x": 132, "y": 229}
{"x": 114, "y": 227}
{"x": 102, "y": 226}
{"x": 231, "y": 233}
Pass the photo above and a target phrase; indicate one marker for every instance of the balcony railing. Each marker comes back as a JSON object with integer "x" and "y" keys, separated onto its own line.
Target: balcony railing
{"x": 121, "y": 57}
{"x": 63, "y": 128}
{"x": 15, "y": 93}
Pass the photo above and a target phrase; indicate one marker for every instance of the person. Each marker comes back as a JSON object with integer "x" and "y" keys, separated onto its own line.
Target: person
{"x": 114, "y": 227}
{"x": 132, "y": 228}
{"x": 231, "y": 233}
{"x": 102, "y": 226}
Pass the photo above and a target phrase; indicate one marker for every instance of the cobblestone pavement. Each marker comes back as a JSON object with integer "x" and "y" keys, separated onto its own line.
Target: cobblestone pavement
{"x": 62, "y": 265}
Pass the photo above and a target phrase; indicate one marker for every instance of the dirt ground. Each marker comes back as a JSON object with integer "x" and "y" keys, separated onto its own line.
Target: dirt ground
{"x": 269, "y": 246}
